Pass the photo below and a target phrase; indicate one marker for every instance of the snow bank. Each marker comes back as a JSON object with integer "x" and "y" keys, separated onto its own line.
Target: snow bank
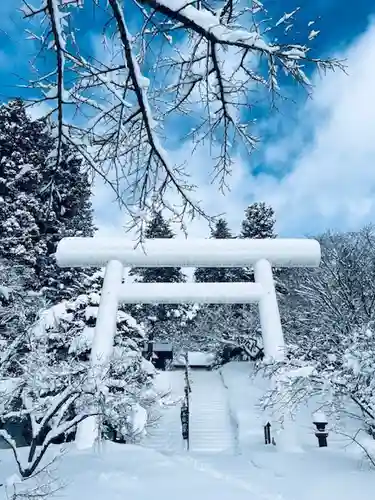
{"x": 257, "y": 472}
{"x": 245, "y": 391}
{"x": 125, "y": 471}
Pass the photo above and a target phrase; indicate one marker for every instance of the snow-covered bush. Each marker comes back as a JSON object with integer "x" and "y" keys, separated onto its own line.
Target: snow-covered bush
{"x": 231, "y": 331}
{"x": 18, "y": 309}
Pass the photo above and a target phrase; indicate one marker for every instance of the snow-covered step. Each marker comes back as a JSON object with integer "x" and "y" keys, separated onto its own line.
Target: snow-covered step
{"x": 165, "y": 433}
{"x": 211, "y": 429}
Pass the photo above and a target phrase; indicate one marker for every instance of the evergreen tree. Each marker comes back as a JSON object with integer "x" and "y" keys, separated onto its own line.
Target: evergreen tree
{"x": 218, "y": 274}
{"x": 158, "y": 227}
{"x": 160, "y": 320}
{"x": 39, "y": 204}
{"x": 259, "y": 222}
{"x": 221, "y": 230}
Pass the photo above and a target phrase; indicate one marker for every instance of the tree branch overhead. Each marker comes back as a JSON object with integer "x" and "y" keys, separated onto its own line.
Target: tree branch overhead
{"x": 202, "y": 60}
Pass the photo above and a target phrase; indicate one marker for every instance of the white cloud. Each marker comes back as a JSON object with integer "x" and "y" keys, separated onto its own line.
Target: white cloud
{"x": 325, "y": 180}
{"x": 331, "y": 179}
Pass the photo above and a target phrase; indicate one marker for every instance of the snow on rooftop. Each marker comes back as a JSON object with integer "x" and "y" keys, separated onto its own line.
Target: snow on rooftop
{"x": 195, "y": 358}
{"x": 162, "y": 347}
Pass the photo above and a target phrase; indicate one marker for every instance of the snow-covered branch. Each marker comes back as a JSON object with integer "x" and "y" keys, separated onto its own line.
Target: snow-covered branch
{"x": 329, "y": 318}
{"x": 209, "y": 61}
{"x": 49, "y": 416}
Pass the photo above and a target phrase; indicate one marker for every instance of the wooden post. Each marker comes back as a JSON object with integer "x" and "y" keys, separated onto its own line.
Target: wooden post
{"x": 186, "y": 406}
{"x": 267, "y": 433}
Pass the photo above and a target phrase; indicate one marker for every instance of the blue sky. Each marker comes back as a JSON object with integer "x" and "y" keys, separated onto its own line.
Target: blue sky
{"x": 315, "y": 164}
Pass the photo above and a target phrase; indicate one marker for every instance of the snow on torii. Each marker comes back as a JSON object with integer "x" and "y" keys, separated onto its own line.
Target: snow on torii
{"x": 117, "y": 253}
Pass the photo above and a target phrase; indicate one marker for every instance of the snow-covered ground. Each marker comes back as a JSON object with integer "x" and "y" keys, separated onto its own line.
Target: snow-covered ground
{"x": 231, "y": 461}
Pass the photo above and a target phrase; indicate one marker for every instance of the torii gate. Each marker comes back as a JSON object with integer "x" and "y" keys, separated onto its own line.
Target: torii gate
{"x": 116, "y": 253}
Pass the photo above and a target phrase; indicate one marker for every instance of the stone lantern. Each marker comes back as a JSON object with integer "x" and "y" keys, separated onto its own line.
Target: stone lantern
{"x": 320, "y": 421}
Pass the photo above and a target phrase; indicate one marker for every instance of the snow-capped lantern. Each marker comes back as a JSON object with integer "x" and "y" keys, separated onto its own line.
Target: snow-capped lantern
{"x": 320, "y": 421}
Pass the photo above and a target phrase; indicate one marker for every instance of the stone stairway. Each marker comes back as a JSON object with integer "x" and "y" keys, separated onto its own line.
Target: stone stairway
{"x": 165, "y": 433}
{"x": 211, "y": 429}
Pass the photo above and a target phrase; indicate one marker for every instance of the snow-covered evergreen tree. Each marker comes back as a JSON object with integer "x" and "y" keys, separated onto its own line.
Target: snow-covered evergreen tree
{"x": 39, "y": 203}
{"x": 259, "y": 221}
{"x": 160, "y": 320}
{"x": 218, "y": 274}
{"x": 158, "y": 227}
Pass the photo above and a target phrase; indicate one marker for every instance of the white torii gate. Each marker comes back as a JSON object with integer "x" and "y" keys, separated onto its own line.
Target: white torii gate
{"x": 117, "y": 253}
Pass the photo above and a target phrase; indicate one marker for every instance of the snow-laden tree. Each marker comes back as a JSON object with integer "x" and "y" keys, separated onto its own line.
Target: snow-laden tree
{"x": 259, "y": 222}
{"x": 39, "y": 203}
{"x": 215, "y": 62}
{"x": 223, "y": 329}
{"x": 18, "y": 309}
{"x": 158, "y": 227}
{"x": 328, "y": 317}
{"x": 67, "y": 331}
{"x": 229, "y": 332}
{"x": 41, "y": 403}
{"x": 177, "y": 328}
{"x": 236, "y": 326}
{"x": 54, "y": 389}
